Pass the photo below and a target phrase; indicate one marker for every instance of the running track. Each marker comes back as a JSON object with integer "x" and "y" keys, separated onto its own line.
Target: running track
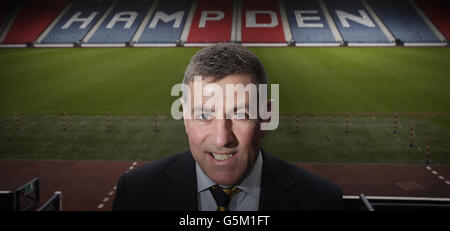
{"x": 90, "y": 185}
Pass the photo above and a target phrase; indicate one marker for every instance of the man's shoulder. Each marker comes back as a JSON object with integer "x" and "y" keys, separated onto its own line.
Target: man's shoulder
{"x": 157, "y": 185}
{"x": 316, "y": 192}
{"x": 298, "y": 174}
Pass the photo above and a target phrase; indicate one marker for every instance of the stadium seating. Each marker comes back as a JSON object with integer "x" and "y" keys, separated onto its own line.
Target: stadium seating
{"x": 166, "y": 23}
{"x": 261, "y": 22}
{"x": 403, "y": 21}
{"x": 77, "y": 21}
{"x": 122, "y": 22}
{"x": 176, "y": 22}
{"x": 5, "y": 10}
{"x": 438, "y": 12}
{"x": 33, "y": 18}
{"x": 354, "y": 22}
{"x": 307, "y": 22}
{"x": 212, "y": 22}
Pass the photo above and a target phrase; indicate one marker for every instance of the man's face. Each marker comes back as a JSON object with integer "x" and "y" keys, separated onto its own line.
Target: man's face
{"x": 224, "y": 148}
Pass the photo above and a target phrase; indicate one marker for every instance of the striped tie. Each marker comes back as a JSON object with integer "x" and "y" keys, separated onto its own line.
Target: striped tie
{"x": 223, "y": 196}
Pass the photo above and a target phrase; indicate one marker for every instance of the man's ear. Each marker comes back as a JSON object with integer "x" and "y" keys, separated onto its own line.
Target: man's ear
{"x": 262, "y": 133}
{"x": 184, "y": 117}
{"x": 185, "y": 126}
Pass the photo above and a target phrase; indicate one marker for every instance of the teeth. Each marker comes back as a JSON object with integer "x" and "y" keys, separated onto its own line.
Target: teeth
{"x": 222, "y": 156}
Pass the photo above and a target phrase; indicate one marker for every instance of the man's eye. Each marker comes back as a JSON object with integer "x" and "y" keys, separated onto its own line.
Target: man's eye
{"x": 206, "y": 116}
{"x": 240, "y": 115}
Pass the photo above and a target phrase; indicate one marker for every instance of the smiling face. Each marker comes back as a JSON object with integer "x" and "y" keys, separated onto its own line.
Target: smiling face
{"x": 224, "y": 148}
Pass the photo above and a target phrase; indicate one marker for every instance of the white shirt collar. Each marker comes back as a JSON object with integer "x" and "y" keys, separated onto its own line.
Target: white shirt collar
{"x": 251, "y": 183}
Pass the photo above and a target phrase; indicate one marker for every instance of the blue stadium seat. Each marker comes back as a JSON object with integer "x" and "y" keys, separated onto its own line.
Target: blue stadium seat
{"x": 77, "y": 21}
{"x": 122, "y": 22}
{"x": 166, "y": 23}
{"x": 313, "y": 26}
{"x": 354, "y": 22}
{"x": 403, "y": 20}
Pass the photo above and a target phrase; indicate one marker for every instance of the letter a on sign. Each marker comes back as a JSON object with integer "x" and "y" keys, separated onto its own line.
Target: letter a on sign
{"x": 129, "y": 18}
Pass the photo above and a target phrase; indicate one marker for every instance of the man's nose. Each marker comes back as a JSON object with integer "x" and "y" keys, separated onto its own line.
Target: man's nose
{"x": 223, "y": 133}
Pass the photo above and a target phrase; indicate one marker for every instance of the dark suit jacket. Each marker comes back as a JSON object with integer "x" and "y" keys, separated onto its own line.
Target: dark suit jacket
{"x": 171, "y": 184}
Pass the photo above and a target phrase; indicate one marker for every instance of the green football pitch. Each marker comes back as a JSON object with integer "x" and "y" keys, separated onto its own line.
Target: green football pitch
{"x": 133, "y": 84}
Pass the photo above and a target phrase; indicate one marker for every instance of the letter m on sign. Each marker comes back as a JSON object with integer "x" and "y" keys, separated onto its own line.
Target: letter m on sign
{"x": 178, "y": 17}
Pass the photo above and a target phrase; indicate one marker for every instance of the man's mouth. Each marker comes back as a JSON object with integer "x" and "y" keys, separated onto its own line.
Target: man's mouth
{"x": 221, "y": 156}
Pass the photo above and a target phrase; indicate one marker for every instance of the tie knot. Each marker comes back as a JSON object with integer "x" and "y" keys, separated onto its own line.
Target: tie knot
{"x": 229, "y": 190}
{"x": 223, "y": 196}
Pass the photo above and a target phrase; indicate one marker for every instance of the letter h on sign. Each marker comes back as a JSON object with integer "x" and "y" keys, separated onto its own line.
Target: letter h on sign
{"x": 76, "y": 18}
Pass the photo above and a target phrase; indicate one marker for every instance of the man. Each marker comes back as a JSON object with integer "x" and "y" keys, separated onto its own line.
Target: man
{"x": 225, "y": 168}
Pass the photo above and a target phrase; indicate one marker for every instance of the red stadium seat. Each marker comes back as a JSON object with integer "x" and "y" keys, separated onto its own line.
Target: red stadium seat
{"x": 5, "y": 10}
{"x": 33, "y": 18}
{"x": 212, "y": 22}
{"x": 438, "y": 12}
{"x": 261, "y": 22}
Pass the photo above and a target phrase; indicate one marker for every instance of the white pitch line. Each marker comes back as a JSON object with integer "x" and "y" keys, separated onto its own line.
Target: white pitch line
{"x": 399, "y": 125}
{"x": 418, "y": 147}
{"x": 436, "y": 173}
{"x": 106, "y": 199}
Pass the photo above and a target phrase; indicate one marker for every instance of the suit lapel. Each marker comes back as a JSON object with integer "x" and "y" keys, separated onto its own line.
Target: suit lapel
{"x": 276, "y": 187}
{"x": 182, "y": 172}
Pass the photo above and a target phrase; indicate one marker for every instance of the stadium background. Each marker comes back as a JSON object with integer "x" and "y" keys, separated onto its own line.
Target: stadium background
{"x": 364, "y": 89}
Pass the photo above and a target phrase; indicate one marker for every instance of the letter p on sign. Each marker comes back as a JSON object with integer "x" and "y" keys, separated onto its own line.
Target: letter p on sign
{"x": 210, "y": 15}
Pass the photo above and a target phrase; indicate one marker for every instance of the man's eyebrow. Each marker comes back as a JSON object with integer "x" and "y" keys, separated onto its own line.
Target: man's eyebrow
{"x": 201, "y": 109}
{"x": 242, "y": 106}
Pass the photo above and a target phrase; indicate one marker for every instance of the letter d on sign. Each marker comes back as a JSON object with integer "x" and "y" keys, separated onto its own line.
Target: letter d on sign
{"x": 250, "y": 19}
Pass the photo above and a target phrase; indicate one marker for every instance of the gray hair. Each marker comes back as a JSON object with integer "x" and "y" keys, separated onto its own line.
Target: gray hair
{"x": 225, "y": 59}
